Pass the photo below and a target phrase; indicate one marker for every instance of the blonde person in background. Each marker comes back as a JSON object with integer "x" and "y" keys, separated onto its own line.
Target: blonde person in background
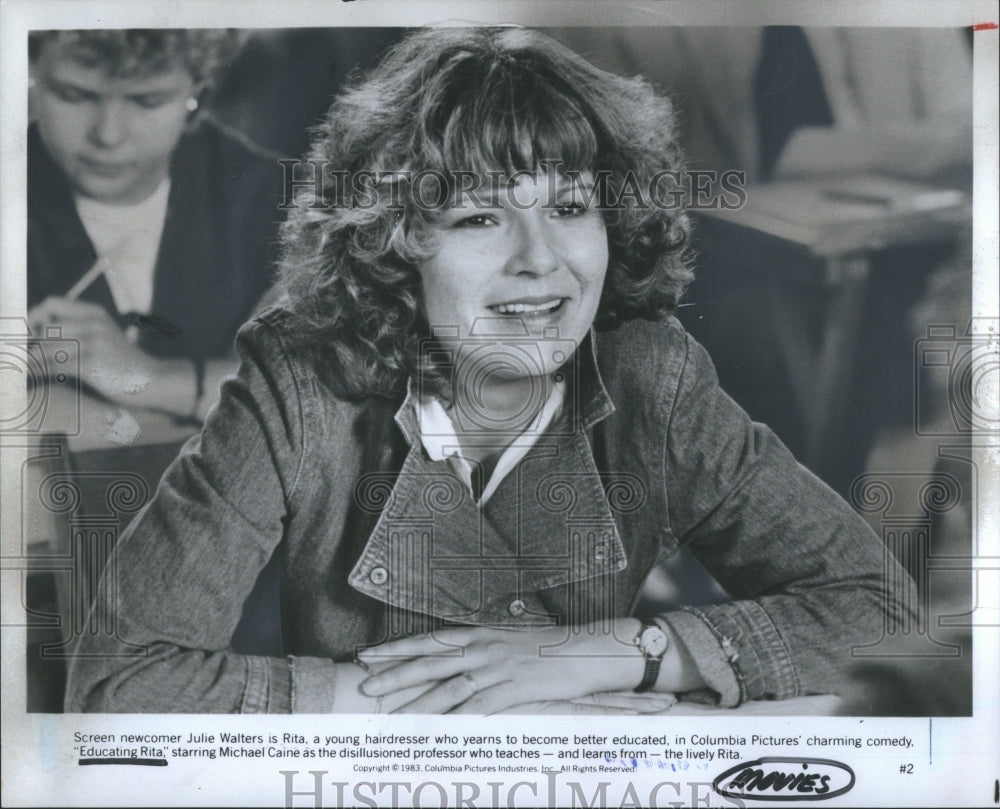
{"x": 151, "y": 227}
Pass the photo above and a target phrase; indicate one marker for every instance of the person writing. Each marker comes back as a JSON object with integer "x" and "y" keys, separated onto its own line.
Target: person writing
{"x": 152, "y": 229}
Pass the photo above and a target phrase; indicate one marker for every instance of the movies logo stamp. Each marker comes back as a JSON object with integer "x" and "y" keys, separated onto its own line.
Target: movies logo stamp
{"x": 779, "y": 778}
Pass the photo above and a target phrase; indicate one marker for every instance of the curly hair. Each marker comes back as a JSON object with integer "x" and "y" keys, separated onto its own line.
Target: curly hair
{"x": 143, "y": 52}
{"x": 455, "y": 100}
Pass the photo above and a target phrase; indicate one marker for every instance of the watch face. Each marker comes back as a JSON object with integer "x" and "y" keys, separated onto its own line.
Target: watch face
{"x": 653, "y": 642}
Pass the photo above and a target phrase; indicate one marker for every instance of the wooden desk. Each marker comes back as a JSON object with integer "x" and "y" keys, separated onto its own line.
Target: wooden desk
{"x": 827, "y": 233}
{"x": 92, "y": 424}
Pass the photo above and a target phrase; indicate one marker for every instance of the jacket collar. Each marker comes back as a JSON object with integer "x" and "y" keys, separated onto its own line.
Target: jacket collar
{"x": 549, "y": 526}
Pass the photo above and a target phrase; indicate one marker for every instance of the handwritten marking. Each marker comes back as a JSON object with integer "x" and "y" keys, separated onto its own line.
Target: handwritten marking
{"x": 140, "y": 762}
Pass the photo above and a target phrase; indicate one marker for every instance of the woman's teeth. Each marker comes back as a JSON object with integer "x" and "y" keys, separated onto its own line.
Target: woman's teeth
{"x": 526, "y": 308}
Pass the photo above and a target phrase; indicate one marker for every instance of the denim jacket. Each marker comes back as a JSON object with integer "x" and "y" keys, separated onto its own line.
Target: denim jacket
{"x": 376, "y": 541}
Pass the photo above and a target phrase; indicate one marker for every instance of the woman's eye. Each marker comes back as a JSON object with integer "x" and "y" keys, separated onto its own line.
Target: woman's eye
{"x": 72, "y": 95}
{"x": 566, "y": 209}
{"x": 475, "y": 221}
{"x": 152, "y": 101}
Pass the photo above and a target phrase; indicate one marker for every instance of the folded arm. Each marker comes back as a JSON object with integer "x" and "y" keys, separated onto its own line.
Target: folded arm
{"x": 187, "y": 563}
{"x": 809, "y": 578}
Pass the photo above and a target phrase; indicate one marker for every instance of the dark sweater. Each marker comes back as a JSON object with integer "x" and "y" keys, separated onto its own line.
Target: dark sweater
{"x": 216, "y": 254}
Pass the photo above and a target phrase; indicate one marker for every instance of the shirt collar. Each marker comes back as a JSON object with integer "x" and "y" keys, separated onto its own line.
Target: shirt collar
{"x": 440, "y": 442}
{"x": 586, "y": 397}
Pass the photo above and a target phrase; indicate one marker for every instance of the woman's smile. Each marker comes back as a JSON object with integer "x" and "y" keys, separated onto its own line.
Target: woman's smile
{"x": 528, "y": 308}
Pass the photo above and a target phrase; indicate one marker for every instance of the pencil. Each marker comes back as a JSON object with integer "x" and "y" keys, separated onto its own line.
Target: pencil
{"x": 85, "y": 281}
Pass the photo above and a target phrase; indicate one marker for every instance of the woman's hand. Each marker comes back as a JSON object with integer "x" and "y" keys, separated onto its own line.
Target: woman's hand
{"x": 113, "y": 366}
{"x": 483, "y": 671}
{"x": 109, "y": 363}
{"x": 349, "y": 698}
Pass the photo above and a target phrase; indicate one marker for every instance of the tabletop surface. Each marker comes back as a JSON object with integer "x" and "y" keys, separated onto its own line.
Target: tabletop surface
{"x": 837, "y": 215}
{"x": 92, "y": 424}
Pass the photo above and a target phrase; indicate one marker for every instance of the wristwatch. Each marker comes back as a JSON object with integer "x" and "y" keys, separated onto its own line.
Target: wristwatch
{"x": 652, "y": 642}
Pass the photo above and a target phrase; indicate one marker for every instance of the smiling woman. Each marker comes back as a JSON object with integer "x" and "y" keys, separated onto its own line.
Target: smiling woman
{"x": 472, "y": 428}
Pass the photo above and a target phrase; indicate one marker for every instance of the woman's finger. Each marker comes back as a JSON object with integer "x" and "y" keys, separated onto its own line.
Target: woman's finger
{"x": 446, "y": 696}
{"x": 444, "y": 642}
{"x": 492, "y": 700}
{"x": 415, "y": 672}
{"x": 376, "y": 665}
{"x": 62, "y": 310}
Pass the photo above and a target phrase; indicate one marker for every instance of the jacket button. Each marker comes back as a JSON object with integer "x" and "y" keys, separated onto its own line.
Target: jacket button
{"x": 378, "y": 575}
{"x": 517, "y": 608}
{"x": 600, "y": 552}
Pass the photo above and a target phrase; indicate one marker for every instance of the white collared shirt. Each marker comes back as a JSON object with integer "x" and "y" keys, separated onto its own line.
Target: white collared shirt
{"x": 438, "y": 436}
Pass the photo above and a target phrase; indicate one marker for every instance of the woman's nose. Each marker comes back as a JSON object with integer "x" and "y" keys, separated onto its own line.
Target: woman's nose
{"x": 534, "y": 251}
{"x": 109, "y": 126}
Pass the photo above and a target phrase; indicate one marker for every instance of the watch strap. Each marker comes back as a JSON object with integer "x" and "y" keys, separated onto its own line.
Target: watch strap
{"x": 650, "y": 675}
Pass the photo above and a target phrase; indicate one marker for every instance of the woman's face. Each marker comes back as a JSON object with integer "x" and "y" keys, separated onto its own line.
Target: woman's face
{"x": 113, "y": 137}
{"x": 529, "y": 267}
